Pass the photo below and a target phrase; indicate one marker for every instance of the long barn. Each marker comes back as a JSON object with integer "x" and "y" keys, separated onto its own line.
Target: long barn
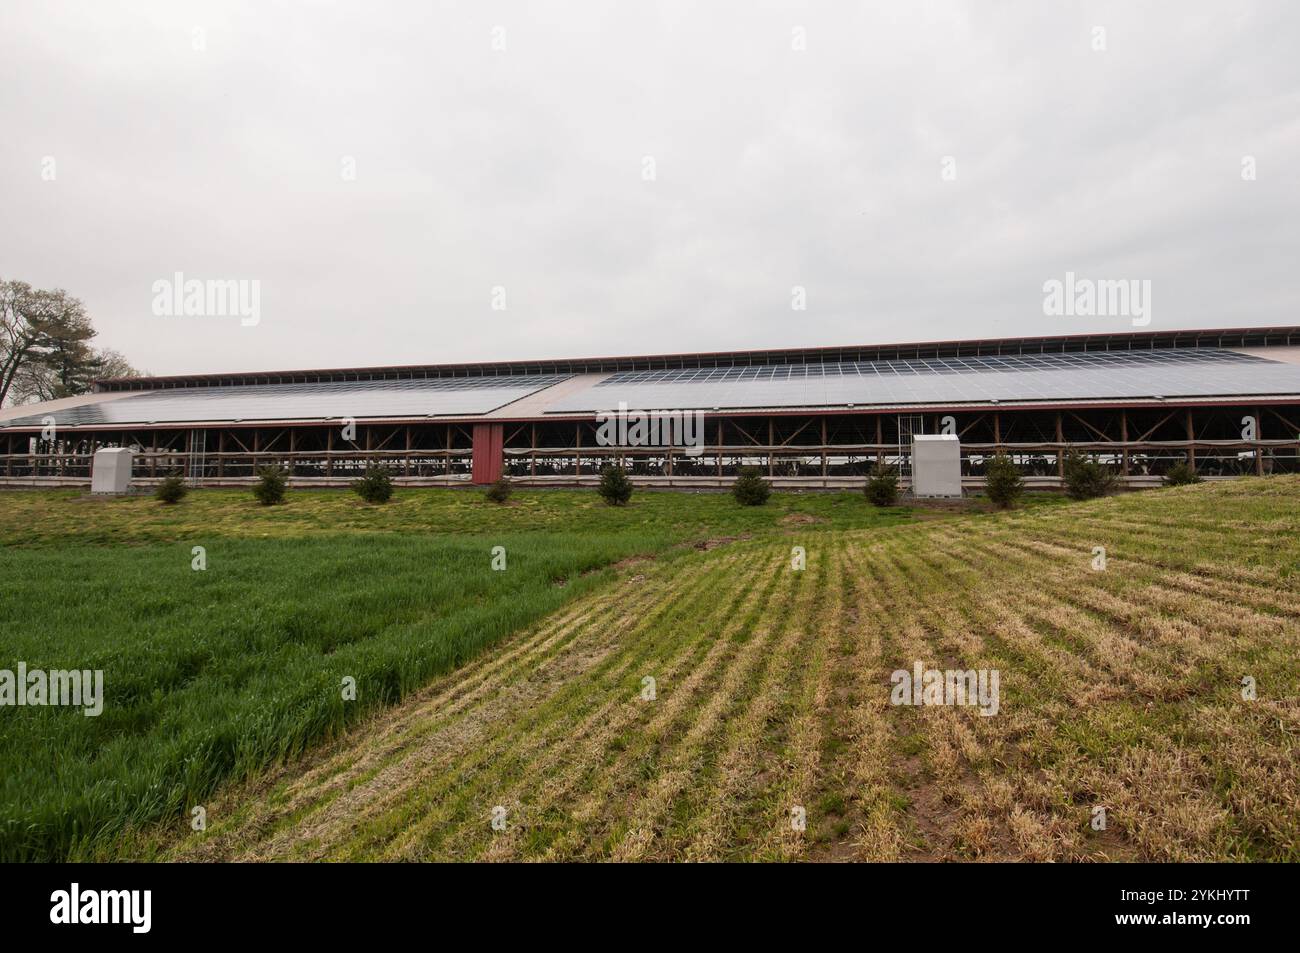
{"x": 1226, "y": 400}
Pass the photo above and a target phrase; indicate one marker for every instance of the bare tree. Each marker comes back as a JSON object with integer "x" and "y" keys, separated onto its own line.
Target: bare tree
{"x": 113, "y": 364}
{"x": 18, "y": 338}
{"x": 44, "y": 344}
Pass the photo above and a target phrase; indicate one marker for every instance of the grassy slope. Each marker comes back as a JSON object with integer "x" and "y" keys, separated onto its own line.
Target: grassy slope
{"x": 1120, "y": 689}
{"x": 217, "y": 674}
{"x": 58, "y": 518}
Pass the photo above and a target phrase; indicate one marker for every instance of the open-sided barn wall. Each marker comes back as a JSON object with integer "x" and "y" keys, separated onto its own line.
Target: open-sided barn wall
{"x": 1224, "y": 400}
{"x": 832, "y": 449}
{"x": 321, "y": 454}
{"x": 798, "y": 449}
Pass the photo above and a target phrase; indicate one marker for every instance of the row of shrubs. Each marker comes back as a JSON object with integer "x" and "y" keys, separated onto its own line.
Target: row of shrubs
{"x": 272, "y": 484}
{"x": 377, "y": 487}
{"x": 1084, "y": 479}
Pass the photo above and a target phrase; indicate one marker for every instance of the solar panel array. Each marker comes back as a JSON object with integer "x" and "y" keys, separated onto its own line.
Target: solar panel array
{"x": 1092, "y": 375}
{"x": 946, "y": 365}
{"x": 433, "y": 397}
{"x": 1036, "y": 377}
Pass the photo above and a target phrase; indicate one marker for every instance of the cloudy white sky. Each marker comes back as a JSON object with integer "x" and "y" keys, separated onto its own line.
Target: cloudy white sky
{"x": 524, "y": 168}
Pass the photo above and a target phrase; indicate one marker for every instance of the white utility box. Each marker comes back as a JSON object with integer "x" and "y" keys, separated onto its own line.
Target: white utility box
{"x": 936, "y": 465}
{"x": 111, "y": 471}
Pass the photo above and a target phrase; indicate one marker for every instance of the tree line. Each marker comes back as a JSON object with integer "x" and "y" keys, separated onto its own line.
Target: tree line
{"x": 45, "y": 346}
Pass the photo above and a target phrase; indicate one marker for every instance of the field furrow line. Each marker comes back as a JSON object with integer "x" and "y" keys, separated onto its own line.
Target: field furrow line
{"x": 868, "y": 778}
{"x": 598, "y": 816}
{"x": 686, "y": 762}
{"x": 716, "y": 810}
{"x": 569, "y": 755}
{"x": 796, "y": 783}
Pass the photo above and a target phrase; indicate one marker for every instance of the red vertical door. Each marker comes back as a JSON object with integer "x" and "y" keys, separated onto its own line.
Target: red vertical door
{"x": 489, "y": 440}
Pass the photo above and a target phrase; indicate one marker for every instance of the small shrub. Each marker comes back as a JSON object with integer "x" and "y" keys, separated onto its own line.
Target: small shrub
{"x": 1181, "y": 474}
{"x": 270, "y": 486}
{"x": 750, "y": 489}
{"x": 1002, "y": 481}
{"x": 1086, "y": 479}
{"x": 615, "y": 488}
{"x": 882, "y": 487}
{"x": 376, "y": 486}
{"x": 499, "y": 491}
{"x": 172, "y": 489}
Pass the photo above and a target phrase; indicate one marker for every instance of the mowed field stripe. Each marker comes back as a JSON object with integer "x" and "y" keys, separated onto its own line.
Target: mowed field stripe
{"x": 735, "y": 800}
{"x": 579, "y": 731}
{"x": 594, "y": 830}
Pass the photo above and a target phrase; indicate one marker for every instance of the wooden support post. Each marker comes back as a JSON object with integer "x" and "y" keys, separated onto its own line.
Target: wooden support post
{"x": 1191, "y": 438}
{"x": 771, "y": 439}
{"x": 406, "y": 460}
{"x": 532, "y": 457}
{"x": 1123, "y": 436}
{"x": 1060, "y": 447}
{"x": 880, "y": 439}
{"x": 823, "y": 449}
{"x": 577, "y": 443}
{"x": 1259, "y": 445}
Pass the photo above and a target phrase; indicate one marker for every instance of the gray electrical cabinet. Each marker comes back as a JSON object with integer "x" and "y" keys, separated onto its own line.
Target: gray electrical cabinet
{"x": 936, "y": 465}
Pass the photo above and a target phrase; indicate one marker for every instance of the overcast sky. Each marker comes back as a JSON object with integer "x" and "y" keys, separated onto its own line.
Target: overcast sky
{"x": 790, "y": 145}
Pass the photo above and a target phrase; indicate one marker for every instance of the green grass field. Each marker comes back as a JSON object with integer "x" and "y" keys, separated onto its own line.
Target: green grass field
{"x": 522, "y": 691}
{"x": 215, "y": 675}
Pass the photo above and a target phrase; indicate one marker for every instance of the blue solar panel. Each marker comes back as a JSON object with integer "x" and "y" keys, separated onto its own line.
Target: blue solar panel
{"x": 1093, "y": 375}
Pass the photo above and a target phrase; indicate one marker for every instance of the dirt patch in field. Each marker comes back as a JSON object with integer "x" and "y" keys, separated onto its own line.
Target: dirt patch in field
{"x": 800, "y": 519}
{"x": 707, "y": 544}
{"x": 625, "y": 563}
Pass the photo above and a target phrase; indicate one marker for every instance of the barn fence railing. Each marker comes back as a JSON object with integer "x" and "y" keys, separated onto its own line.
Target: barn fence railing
{"x": 827, "y": 465}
